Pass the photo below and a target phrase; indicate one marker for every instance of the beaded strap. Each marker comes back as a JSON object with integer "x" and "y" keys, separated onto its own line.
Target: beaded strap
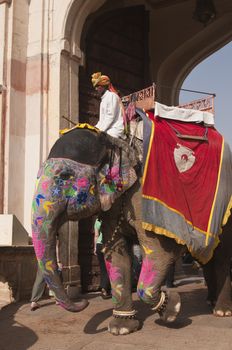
{"x": 124, "y": 314}
{"x": 161, "y": 306}
{"x": 115, "y": 233}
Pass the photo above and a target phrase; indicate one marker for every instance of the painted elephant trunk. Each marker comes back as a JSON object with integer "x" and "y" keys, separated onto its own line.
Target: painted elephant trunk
{"x": 46, "y": 254}
{"x": 56, "y": 189}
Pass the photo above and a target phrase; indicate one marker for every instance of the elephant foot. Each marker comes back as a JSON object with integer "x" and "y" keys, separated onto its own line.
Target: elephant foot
{"x": 225, "y": 311}
{"x": 120, "y": 326}
{"x": 169, "y": 306}
{"x": 222, "y": 313}
{"x": 74, "y": 307}
{"x": 123, "y": 323}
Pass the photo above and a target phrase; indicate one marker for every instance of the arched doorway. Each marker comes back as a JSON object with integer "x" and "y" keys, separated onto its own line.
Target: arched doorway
{"x": 116, "y": 44}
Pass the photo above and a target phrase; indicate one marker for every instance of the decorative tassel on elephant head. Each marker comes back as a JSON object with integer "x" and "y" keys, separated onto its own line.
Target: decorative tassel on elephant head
{"x": 109, "y": 179}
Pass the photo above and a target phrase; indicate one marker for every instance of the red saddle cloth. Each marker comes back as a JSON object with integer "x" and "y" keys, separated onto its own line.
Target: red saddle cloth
{"x": 183, "y": 174}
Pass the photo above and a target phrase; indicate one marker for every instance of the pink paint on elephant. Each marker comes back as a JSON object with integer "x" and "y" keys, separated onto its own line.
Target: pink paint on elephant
{"x": 148, "y": 272}
{"x": 39, "y": 246}
{"x": 113, "y": 272}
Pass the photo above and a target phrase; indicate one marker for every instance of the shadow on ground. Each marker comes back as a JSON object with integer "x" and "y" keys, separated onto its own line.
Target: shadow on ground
{"x": 193, "y": 304}
{"x": 14, "y": 335}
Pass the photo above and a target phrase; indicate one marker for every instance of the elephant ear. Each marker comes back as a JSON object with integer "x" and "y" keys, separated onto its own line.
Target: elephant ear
{"x": 66, "y": 173}
{"x": 117, "y": 175}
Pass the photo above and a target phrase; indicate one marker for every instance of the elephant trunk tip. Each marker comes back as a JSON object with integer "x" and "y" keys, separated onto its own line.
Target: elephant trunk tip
{"x": 74, "y": 307}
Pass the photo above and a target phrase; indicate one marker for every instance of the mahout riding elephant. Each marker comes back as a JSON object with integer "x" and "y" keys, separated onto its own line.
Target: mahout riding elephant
{"x": 69, "y": 188}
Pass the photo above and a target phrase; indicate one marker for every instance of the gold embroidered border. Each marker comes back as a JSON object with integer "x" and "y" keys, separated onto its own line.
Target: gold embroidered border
{"x": 215, "y": 195}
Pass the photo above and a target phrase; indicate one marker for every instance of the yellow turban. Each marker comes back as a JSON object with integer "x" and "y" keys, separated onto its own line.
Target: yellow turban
{"x": 99, "y": 79}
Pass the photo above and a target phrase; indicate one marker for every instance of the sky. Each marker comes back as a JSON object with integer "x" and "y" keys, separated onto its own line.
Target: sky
{"x": 214, "y": 74}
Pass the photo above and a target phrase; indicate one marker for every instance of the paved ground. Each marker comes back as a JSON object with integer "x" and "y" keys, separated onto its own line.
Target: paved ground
{"x": 52, "y": 328}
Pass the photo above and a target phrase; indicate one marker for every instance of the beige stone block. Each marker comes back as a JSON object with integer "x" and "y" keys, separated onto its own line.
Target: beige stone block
{"x": 12, "y": 231}
{"x": 5, "y": 293}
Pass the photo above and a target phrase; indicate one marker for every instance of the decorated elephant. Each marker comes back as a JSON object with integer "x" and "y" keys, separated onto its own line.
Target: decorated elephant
{"x": 179, "y": 200}
{"x": 86, "y": 171}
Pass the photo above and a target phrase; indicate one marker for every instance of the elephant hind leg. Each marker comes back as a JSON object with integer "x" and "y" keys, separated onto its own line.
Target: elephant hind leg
{"x": 160, "y": 253}
{"x": 209, "y": 276}
{"x": 222, "y": 260}
{"x": 223, "y": 306}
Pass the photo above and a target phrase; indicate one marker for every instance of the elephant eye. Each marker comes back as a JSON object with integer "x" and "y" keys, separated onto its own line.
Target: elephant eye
{"x": 65, "y": 175}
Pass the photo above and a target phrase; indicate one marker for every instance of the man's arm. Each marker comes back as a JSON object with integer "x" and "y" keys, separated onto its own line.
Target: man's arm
{"x": 96, "y": 234}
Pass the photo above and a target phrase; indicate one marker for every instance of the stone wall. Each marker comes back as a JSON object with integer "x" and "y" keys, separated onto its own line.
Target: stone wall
{"x": 18, "y": 268}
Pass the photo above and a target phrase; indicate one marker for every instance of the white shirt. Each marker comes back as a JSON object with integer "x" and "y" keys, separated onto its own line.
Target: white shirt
{"x": 111, "y": 115}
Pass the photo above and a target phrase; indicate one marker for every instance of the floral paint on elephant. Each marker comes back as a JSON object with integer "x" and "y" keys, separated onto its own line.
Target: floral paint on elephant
{"x": 115, "y": 178}
{"x": 147, "y": 277}
{"x": 116, "y": 280}
{"x": 62, "y": 184}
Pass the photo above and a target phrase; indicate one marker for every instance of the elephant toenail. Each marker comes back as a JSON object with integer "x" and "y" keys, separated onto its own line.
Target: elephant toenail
{"x": 228, "y": 313}
{"x": 218, "y": 313}
{"x": 113, "y": 330}
{"x": 124, "y": 331}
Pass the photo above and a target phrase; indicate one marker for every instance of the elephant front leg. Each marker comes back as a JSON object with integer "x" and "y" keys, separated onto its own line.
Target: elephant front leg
{"x": 118, "y": 264}
{"x": 159, "y": 253}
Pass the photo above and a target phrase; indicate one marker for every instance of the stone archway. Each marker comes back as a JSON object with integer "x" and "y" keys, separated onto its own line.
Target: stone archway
{"x": 51, "y": 59}
{"x": 177, "y": 66}
{"x": 173, "y": 54}
{"x": 42, "y": 55}
{"x": 171, "y": 62}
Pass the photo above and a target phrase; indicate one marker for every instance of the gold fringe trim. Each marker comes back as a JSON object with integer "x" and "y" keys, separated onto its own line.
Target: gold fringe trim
{"x": 164, "y": 232}
{"x": 217, "y": 240}
{"x": 80, "y": 126}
